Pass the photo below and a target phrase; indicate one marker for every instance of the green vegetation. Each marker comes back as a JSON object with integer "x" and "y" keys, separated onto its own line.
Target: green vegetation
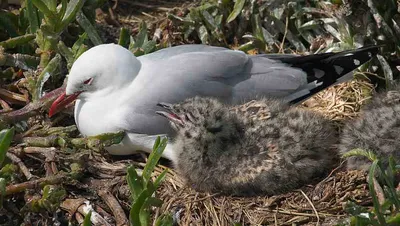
{"x": 142, "y": 189}
{"x": 382, "y": 188}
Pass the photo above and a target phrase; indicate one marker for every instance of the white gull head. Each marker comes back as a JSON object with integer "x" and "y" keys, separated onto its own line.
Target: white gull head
{"x": 96, "y": 71}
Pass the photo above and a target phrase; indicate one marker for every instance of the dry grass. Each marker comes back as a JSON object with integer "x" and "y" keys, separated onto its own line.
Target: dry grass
{"x": 342, "y": 101}
{"x": 324, "y": 201}
{"x": 321, "y": 203}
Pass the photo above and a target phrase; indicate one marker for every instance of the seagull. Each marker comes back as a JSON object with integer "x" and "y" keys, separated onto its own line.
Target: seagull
{"x": 116, "y": 91}
{"x": 264, "y": 147}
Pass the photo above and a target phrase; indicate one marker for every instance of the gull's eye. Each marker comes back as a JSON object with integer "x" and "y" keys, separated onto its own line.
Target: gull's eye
{"x": 88, "y": 82}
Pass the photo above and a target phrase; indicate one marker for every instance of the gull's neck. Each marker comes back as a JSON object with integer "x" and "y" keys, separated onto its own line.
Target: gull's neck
{"x": 98, "y": 112}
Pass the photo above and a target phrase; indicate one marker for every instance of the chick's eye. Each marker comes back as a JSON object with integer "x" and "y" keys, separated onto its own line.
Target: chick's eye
{"x": 214, "y": 129}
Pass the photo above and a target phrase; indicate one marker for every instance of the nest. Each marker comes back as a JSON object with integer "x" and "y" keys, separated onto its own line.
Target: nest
{"x": 320, "y": 203}
{"x": 342, "y": 101}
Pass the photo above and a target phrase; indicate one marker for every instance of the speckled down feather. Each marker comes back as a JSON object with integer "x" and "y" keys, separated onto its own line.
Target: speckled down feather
{"x": 264, "y": 147}
{"x": 377, "y": 129}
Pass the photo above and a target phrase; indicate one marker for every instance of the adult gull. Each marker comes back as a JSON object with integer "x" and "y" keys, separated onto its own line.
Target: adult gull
{"x": 114, "y": 90}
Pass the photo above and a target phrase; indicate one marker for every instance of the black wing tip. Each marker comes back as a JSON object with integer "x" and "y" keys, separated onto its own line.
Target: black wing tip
{"x": 342, "y": 63}
{"x": 331, "y": 70}
{"x": 373, "y": 49}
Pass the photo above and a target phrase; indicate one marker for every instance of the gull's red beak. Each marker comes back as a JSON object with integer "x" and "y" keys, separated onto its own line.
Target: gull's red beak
{"x": 62, "y": 101}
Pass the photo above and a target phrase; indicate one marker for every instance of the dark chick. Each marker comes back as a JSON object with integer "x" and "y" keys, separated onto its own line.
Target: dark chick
{"x": 377, "y": 129}
{"x": 261, "y": 148}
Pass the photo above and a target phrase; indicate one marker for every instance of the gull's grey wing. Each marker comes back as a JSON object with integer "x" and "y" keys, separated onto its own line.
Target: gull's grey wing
{"x": 228, "y": 75}
{"x": 181, "y": 49}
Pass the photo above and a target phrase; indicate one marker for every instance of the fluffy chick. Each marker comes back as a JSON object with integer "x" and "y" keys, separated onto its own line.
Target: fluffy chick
{"x": 377, "y": 129}
{"x": 261, "y": 148}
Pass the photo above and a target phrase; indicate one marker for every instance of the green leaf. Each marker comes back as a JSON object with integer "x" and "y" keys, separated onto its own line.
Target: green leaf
{"x": 48, "y": 71}
{"x": 47, "y": 42}
{"x": 387, "y": 71}
{"x": 203, "y": 34}
{"x": 236, "y": 10}
{"x": 51, "y": 17}
{"x": 79, "y": 46}
{"x": 124, "y": 37}
{"x": 105, "y": 139}
{"x": 389, "y": 179}
{"x": 154, "y": 156}
{"x": 63, "y": 9}
{"x": 164, "y": 220}
{"x": 151, "y": 201}
{"x": 247, "y": 47}
{"x": 142, "y": 36}
{"x": 52, "y": 197}
{"x": 394, "y": 220}
{"x": 144, "y": 214}
{"x": 157, "y": 143}
{"x": 371, "y": 181}
{"x": 281, "y": 27}
{"x": 134, "y": 213}
{"x": 66, "y": 53}
{"x": 205, "y": 6}
{"x": 212, "y": 26}
{"x": 183, "y": 20}
{"x": 135, "y": 182}
{"x": 73, "y": 7}
{"x": 17, "y": 41}
{"x": 335, "y": 33}
{"x": 71, "y": 54}
{"x": 3, "y": 184}
{"x": 7, "y": 24}
{"x": 81, "y": 40}
{"x": 79, "y": 52}
{"x": 360, "y": 152}
{"x": 52, "y": 4}
{"x": 316, "y": 23}
{"x": 209, "y": 21}
{"x": 86, "y": 221}
{"x": 160, "y": 178}
{"x": 131, "y": 44}
{"x": 33, "y": 18}
{"x": 6, "y": 136}
{"x": 149, "y": 46}
{"x": 89, "y": 28}
{"x": 258, "y": 30}
{"x": 8, "y": 171}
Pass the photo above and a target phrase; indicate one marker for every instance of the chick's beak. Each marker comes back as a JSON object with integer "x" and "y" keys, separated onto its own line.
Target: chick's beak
{"x": 169, "y": 113}
{"x": 61, "y": 102}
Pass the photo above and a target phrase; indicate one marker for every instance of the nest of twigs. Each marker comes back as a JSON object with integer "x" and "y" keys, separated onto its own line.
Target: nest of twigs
{"x": 342, "y": 101}
{"x": 322, "y": 202}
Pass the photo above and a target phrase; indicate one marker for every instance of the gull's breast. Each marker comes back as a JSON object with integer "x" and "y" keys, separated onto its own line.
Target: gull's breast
{"x": 93, "y": 118}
